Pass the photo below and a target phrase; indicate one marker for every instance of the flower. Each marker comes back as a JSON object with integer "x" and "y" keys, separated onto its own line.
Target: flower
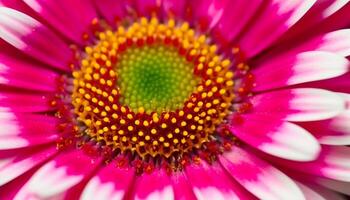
{"x": 165, "y": 99}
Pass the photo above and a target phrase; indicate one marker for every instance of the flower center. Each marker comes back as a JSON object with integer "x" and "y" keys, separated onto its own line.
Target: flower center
{"x": 155, "y": 78}
{"x": 155, "y": 93}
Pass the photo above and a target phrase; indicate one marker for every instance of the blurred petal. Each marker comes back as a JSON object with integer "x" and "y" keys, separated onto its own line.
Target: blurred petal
{"x": 25, "y": 103}
{"x": 59, "y": 175}
{"x": 23, "y": 130}
{"x": 300, "y": 68}
{"x": 21, "y": 73}
{"x": 279, "y": 16}
{"x": 63, "y": 15}
{"x": 302, "y": 104}
{"x": 182, "y": 188}
{"x": 31, "y": 37}
{"x": 154, "y": 186}
{"x": 333, "y": 163}
{"x": 235, "y": 17}
{"x": 278, "y": 138}
{"x": 319, "y": 193}
{"x": 15, "y": 163}
{"x": 212, "y": 182}
{"x": 258, "y": 177}
{"x": 112, "y": 10}
{"x": 110, "y": 183}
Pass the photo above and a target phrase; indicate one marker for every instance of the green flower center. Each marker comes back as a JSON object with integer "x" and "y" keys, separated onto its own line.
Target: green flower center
{"x": 155, "y": 78}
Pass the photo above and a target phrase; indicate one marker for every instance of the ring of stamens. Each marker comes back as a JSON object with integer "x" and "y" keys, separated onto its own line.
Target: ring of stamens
{"x": 109, "y": 115}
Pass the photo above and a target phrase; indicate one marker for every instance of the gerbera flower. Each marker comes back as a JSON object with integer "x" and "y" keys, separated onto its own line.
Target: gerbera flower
{"x": 174, "y": 99}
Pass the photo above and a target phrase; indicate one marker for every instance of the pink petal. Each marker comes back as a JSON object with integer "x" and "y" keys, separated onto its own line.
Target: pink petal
{"x": 278, "y": 138}
{"x": 258, "y": 177}
{"x": 337, "y": 84}
{"x": 63, "y": 15}
{"x": 333, "y": 163}
{"x": 313, "y": 18}
{"x": 235, "y": 17}
{"x": 173, "y": 8}
{"x": 335, "y": 21}
{"x": 205, "y": 13}
{"x": 339, "y": 186}
{"x": 10, "y": 190}
{"x": 212, "y": 182}
{"x": 25, "y": 74}
{"x": 318, "y": 193}
{"x": 22, "y": 130}
{"x": 154, "y": 186}
{"x": 13, "y": 102}
{"x": 182, "y": 187}
{"x": 112, "y": 10}
{"x": 337, "y": 42}
{"x": 110, "y": 183}
{"x": 299, "y": 68}
{"x": 33, "y": 38}
{"x": 302, "y": 104}
{"x": 279, "y": 16}
{"x": 58, "y": 175}
{"x": 17, "y": 5}
{"x": 15, "y": 163}
{"x": 147, "y": 7}
{"x": 334, "y": 131}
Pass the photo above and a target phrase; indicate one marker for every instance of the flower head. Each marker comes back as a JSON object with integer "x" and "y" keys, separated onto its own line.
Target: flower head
{"x": 165, "y": 99}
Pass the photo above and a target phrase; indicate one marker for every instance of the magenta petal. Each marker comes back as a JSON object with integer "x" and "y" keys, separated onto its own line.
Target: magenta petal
{"x": 205, "y": 13}
{"x": 31, "y": 37}
{"x": 110, "y": 183}
{"x": 300, "y": 105}
{"x": 339, "y": 186}
{"x": 337, "y": 42}
{"x": 278, "y": 16}
{"x": 337, "y": 84}
{"x": 258, "y": 177}
{"x": 112, "y": 10}
{"x": 213, "y": 182}
{"x": 299, "y": 68}
{"x": 70, "y": 17}
{"x": 333, "y": 163}
{"x": 182, "y": 187}
{"x": 18, "y": 103}
{"x": 24, "y": 74}
{"x": 147, "y": 7}
{"x": 314, "y": 17}
{"x": 319, "y": 193}
{"x": 154, "y": 186}
{"x": 334, "y": 131}
{"x": 173, "y": 8}
{"x": 15, "y": 163}
{"x": 336, "y": 21}
{"x": 10, "y": 190}
{"x": 59, "y": 175}
{"x": 278, "y": 138}
{"x": 234, "y": 18}
{"x": 22, "y": 130}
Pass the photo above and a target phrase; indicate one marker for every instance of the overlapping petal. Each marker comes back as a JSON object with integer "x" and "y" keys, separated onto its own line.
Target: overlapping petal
{"x": 260, "y": 178}
{"x": 63, "y": 172}
{"x": 30, "y": 36}
{"x": 295, "y": 107}
{"x": 71, "y": 17}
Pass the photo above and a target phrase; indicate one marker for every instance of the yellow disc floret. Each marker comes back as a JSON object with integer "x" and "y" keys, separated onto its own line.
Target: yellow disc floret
{"x": 154, "y": 89}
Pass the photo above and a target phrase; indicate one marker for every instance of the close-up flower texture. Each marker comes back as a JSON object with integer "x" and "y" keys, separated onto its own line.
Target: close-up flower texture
{"x": 174, "y": 99}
